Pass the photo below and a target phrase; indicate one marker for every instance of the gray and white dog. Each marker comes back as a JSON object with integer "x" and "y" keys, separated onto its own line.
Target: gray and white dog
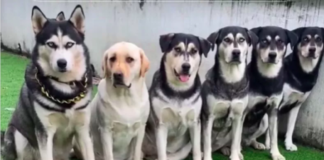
{"x": 173, "y": 128}
{"x": 225, "y": 91}
{"x": 267, "y": 78}
{"x": 52, "y": 107}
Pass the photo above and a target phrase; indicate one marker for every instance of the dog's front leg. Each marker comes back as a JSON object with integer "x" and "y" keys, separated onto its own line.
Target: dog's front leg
{"x": 161, "y": 141}
{"x": 290, "y": 146}
{"x": 107, "y": 143}
{"x": 85, "y": 143}
{"x": 273, "y": 130}
{"x": 138, "y": 143}
{"x": 45, "y": 142}
{"x": 237, "y": 126}
{"x": 207, "y": 132}
{"x": 195, "y": 135}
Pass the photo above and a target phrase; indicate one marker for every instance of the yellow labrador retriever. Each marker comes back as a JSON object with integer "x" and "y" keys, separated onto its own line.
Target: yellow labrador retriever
{"x": 121, "y": 106}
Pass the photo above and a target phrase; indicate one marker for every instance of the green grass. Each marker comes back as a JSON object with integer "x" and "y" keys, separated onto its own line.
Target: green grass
{"x": 12, "y": 77}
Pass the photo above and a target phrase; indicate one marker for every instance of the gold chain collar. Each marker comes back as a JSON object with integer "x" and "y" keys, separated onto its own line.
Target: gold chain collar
{"x": 68, "y": 101}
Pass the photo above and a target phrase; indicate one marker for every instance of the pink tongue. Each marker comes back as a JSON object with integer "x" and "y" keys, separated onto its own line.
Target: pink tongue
{"x": 184, "y": 78}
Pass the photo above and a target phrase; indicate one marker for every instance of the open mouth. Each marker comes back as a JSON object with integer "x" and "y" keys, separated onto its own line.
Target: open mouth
{"x": 183, "y": 77}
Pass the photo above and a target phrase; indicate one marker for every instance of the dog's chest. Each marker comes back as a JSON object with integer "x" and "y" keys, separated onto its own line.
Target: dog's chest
{"x": 177, "y": 113}
{"x": 224, "y": 110}
{"x": 292, "y": 96}
{"x": 66, "y": 121}
{"x": 267, "y": 101}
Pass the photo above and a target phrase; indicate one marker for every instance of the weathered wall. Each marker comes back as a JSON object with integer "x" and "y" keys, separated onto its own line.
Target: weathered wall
{"x": 142, "y": 23}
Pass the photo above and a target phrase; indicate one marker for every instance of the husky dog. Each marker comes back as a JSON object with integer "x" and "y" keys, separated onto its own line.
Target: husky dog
{"x": 173, "y": 128}
{"x": 302, "y": 67}
{"x": 52, "y": 108}
{"x": 266, "y": 72}
{"x": 225, "y": 91}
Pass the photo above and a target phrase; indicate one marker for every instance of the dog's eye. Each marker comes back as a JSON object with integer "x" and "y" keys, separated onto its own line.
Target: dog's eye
{"x": 193, "y": 51}
{"x": 51, "y": 44}
{"x": 69, "y": 45}
{"x": 129, "y": 59}
{"x": 177, "y": 49}
{"x": 227, "y": 40}
{"x": 112, "y": 59}
{"x": 305, "y": 39}
{"x": 318, "y": 39}
{"x": 241, "y": 40}
{"x": 264, "y": 42}
{"x": 279, "y": 41}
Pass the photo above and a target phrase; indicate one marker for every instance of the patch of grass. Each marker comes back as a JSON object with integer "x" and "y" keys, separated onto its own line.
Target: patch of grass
{"x": 12, "y": 78}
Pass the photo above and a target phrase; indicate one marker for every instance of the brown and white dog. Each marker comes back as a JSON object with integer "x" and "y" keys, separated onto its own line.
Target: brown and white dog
{"x": 121, "y": 106}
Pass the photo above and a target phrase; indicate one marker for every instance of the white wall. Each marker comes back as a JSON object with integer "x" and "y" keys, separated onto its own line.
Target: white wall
{"x": 110, "y": 22}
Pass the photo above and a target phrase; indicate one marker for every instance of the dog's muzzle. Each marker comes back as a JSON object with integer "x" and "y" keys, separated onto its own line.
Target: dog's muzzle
{"x": 311, "y": 53}
{"x": 184, "y": 75}
{"x": 61, "y": 64}
{"x": 119, "y": 80}
{"x": 272, "y": 57}
{"x": 236, "y": 56}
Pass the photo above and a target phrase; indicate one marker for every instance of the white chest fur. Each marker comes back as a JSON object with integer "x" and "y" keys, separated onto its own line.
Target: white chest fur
{"x": 273, "y": 100}
{"x": 176, "y": 113}
{"x": 220, "y": 108}
{"x": 292, "y": 96}
{"x": 64, "y": 123}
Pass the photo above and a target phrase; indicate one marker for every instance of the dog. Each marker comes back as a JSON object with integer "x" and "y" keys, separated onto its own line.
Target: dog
{"x": 60, "y": 17}
{"x": 267, "y": 78}
{"x": 52, "y": 108}
{"x": 302, "y": 69}
{"x": 173, "y": 127}
{"x": 225, "y": 91}
{"x": 121, "y": 106}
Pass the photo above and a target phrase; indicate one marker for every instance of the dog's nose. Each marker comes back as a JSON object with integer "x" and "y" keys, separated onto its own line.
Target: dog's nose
{"x": 61, "y": 63}
{"x": 272, "y": 55}
{"x": 118, "y": 76}
{"x": 312, "y": 50}
{"x": 185, "y": 67}
{"x": 236, "y": 53}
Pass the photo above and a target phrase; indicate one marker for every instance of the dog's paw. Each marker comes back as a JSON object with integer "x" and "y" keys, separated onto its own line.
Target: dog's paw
{"x": 236, "y": 157}
{"x": 290, "y": 147}
{"x": 258, "y": 145}
{"x": 241, "y": 156}
{"x": 207, "y": 158}
{"x": 277, "y": 156}
{"x": 226, "y": 151}
{"x": 197, "y": 156}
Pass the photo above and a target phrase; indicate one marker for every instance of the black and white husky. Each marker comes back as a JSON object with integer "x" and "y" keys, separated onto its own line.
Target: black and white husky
{"x": 52, "y": 108}
{"x": 225, "y": 92}
{"x": 266, "y": 72}
{"x": 173, "y": 127}
{"x": 302, "y": 67}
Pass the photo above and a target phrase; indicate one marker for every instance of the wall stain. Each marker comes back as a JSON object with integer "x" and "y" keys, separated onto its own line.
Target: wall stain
{"x": 141, "y": 4}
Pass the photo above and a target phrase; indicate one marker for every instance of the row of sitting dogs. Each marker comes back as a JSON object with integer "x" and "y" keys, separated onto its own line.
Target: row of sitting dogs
{"x": 178, "y": 115}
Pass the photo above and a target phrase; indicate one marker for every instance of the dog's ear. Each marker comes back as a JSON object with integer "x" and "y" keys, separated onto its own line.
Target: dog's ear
{"x": 253, "y": 38}
{"x": 322, "y": 31}
{"x": 212, "y": 38}
{"x": 256, "y": 30}
{"x": 104, "y": 65}
{"x": 204, "y": 46}
{"x": 60, "y": 16}
{"x": 165, "y": 41}
{"x": 145, "y": 63}
{"x": 38, "y": 19}
{"x": 77, "y": 18}
{"x": 299, "y": 31}
{"x": 293, "y": 38}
